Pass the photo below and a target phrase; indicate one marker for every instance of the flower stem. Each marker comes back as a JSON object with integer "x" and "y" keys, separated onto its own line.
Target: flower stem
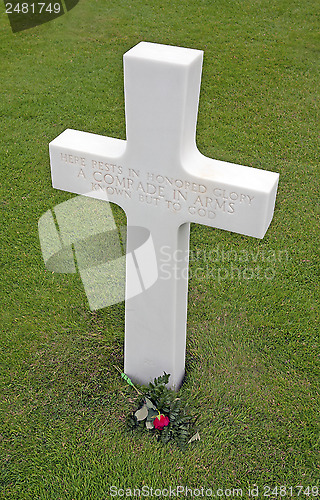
{"x": 127, "y": 379}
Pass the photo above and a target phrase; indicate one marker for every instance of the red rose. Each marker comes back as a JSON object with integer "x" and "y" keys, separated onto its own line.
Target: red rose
{"x": 160, "y": 422}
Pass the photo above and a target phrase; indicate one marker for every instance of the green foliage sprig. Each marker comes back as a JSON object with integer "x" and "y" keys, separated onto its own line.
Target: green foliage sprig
{"x": 162, "y": 413}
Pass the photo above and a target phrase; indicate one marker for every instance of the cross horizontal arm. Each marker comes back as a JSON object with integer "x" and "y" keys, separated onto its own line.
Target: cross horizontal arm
{"x": 205, "y": 191}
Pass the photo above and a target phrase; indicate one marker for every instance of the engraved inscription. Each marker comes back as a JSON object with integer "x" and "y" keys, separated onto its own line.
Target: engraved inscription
{"x": 73, "y": 159}
{"x": 155, "y": 189}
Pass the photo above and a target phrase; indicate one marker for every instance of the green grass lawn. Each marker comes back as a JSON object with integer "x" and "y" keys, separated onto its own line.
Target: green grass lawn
{"x": 252, "y": 344}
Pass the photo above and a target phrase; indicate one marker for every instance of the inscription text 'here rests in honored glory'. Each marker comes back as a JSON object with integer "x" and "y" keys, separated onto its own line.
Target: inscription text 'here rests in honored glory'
{"x": 162, "y": 182}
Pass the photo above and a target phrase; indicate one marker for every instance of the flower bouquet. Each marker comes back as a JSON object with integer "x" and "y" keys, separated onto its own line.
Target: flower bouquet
{"x": 161, "y": 413}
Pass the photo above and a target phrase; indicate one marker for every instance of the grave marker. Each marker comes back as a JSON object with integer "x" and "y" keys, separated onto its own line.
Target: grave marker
{"x": 163, "y": 183}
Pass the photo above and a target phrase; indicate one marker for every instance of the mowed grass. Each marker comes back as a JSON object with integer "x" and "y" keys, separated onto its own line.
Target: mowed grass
{"x": 253, "y": 308}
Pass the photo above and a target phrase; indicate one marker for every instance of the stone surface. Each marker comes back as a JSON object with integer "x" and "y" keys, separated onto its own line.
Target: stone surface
{"x": 163, "y": 183}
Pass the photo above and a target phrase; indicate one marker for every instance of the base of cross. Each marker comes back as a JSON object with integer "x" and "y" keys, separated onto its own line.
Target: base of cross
{"x": 156, "y": 313}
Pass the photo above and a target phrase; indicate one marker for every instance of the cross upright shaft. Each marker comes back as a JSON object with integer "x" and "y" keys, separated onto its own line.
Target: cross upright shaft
{"x": 167, "y": 183}
{"x": 162, "y": 86}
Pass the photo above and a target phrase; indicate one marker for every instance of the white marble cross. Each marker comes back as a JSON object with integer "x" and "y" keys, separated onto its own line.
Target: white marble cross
{"x": 163, "y": 183}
